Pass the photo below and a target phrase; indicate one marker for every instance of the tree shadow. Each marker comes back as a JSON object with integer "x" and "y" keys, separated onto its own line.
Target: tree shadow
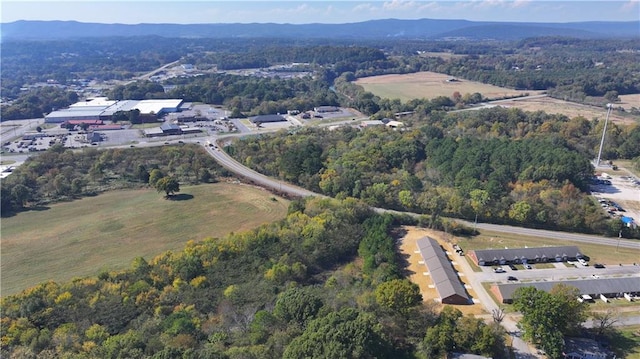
{"x": 180, "y": 197}
{"x": 14, "y": 212}
{"x": 401, "y": 258}
{"x": 38, "y": 208}
{"x": 620, "y": 344}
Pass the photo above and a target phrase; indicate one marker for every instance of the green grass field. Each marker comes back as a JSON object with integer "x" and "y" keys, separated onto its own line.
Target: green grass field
{"x": 106, "y": 232}
{"x": 626, "y": 342}
{"x": 597, "y": 253}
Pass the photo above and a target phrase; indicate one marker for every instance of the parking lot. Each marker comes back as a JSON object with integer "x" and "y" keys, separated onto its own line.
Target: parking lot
{"x": 556, "y": 271}
{"x": 621, "y": 197}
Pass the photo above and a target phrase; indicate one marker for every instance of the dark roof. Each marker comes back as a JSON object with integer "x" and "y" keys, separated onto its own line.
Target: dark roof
{"x": 268, "y": 118}
{"x": 594, "y": 286}
{"x": 444, "y": 277}
{"x": 169, "y": 126}
{"x": 528, "y": 253}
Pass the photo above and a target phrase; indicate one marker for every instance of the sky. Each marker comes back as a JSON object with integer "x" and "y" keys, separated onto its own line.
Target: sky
{"x": 317, "y": 11}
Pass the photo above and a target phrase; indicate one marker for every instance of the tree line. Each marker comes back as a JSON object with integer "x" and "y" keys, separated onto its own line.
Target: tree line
{"x": 63, "y": 174}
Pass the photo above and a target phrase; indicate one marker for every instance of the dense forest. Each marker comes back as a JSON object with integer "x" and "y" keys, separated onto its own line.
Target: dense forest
{"x": 505, "y": 166}
{"x": 288, "y": 289}
{"x": 62, "y": 174}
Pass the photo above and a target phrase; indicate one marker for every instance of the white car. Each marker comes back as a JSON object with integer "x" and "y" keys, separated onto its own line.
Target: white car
{"x": 499, "y": 270}
{"x": 583, "y": 262}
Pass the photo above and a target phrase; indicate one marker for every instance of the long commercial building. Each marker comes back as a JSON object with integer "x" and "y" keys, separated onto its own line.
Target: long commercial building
{"x": 101, "y": 109}
{"x": 445, "y": 279}
{"x": 596, "y": 288}
{"x": 489, "y": 257}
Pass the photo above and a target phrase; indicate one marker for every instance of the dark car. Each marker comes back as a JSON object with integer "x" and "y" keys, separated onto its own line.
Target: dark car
{"x": 598, "y": 265}
{"x": 512, "y": 278}
{"x": 513, "y": 267}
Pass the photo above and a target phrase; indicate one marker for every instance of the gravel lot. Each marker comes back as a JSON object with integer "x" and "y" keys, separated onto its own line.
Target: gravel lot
{"x": 624, "y": 191}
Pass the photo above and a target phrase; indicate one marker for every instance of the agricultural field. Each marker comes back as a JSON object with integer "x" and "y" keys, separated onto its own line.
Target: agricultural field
{"x": 430, "y": 85}
{"x": 629, "y": 101}
{"x": 570, "y": 109}
{"x": 106, "y": 232}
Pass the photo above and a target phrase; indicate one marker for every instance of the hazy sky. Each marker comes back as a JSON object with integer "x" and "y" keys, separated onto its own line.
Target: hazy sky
{"x": 317, "y": 11}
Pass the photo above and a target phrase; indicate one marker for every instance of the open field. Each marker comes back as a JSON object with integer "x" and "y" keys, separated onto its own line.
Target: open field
{"x": 442, "y": 55}
{"x": 430, "y": 85}
{"x": 629, "y": 101}
{"x": 106, "y": 232}
{"x": 569, "y": 109}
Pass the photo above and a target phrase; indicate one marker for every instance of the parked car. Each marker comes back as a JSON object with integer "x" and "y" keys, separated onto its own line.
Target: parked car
{"x": 527, "y": 266}
{"x": 512, "y": 267}
{"x": 583, "y": 262}
{"x": 598, "y": 265}
{"x": 512, "y": 278}
{"x": 499, "y": 270}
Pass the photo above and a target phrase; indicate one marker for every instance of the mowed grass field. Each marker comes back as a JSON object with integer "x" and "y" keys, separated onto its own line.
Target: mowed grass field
{"x": 106, "y": 232}
{"x": 572, "y": 109}
{"x": 429, "y": 85}
{"x": 597, "y": 253}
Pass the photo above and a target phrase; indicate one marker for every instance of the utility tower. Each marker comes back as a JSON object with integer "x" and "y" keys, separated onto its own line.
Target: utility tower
{"x": 604, "y": 132}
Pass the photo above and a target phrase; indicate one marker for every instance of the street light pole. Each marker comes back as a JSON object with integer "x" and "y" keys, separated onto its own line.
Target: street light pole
{"x": 619, "y": 236}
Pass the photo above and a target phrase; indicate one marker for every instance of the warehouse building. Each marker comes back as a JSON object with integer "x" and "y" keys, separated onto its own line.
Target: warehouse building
{"x": 445, "y": 279}
{"x": 101, "y": 109}
{"x": 490, "y": 257}
{"x": 268, "y": 118}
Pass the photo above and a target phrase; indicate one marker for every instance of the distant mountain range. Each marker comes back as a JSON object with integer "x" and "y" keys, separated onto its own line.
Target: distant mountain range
{"x": 390, "y": 28}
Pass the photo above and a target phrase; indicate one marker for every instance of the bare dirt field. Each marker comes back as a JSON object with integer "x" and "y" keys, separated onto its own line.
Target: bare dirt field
{"x": 430, "y": 85}
{"x": 569, "y": 109}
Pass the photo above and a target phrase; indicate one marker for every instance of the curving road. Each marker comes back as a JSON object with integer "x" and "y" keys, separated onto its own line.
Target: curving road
{"x": 239, "y": 169}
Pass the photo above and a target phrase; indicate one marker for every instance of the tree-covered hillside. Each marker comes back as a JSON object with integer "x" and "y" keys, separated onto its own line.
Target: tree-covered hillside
{"x": 294, "y": 288}
{"x": 531, "y": 169}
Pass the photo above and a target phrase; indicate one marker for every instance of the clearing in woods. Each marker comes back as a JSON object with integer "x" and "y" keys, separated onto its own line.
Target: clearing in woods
{"x": 106, "y": 232}
{"x": 572, "y": 109}
{"x": 430, "y": 85}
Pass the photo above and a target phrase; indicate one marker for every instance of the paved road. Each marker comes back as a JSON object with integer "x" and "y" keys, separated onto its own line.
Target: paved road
{"x": 239, "y": 169}
{"x": 234, "y": 166}
{"x": 521, "y": 348}
{"x": 574, "y": 237}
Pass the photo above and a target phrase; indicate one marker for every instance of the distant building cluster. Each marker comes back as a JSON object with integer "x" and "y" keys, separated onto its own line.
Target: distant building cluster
{"x": 102, "y": 109}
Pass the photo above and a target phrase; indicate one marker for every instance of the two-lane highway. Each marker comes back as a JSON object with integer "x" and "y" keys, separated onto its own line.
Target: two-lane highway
{"x": 239, "y": 169}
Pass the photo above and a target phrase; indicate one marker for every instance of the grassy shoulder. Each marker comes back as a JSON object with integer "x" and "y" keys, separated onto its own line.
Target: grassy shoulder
{"x": 597, "y": 253}
{"x": 87, "y": 236}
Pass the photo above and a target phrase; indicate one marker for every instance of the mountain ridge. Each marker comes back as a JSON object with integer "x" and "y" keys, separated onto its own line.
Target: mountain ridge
{"x": 386, "y": 28}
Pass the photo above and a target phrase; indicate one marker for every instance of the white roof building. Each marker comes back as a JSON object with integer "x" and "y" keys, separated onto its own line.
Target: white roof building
{"x": 100, "y": 107}
{"x": 158, "y": 106}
